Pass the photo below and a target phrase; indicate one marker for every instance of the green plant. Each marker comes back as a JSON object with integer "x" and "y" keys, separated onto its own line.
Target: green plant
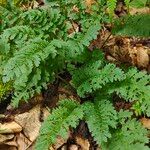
{"x": 136, "y": 3}
{"x": 135, "y": 25}
{"x": 99, "y": 80}
{"x": 4, "y": 90}
{"x": 111, "y": 6}
{"x": 37, "y": 46}
{"x": 128, "y": 135}
{"x": 35, "y": 40}
{"x": 111, "y": 129}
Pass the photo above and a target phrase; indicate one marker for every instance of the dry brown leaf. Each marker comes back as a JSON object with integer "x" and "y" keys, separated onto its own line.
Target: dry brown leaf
{"x": 59, "y": 142}
{"x": 145, "y": 122}
{"x": 133, "y": 55}
{"x": 10, "y": 127}
{"x": 74, "y": 29}
{"x": 142, "y": 57}
{"x": 110, "y": 58}
{"x": 73, "y": 147}
{"x": 7, "y": 147}
{"x": 75, "y": 8}
{"x": 35, "y": 4}
{"x": 144, "y": 10}
{"x": 11, "y": 143}
{"x": 148, "y": 51}
{"x": 89, "y": 2}
{"x": 4, "y": 138}
{"x": 30, "y": 122}
{"x": 84, "y": 143}
{"x": 64, "y": 147}
{"x": 51, "y": 148}
{"x": 22, "y": 142}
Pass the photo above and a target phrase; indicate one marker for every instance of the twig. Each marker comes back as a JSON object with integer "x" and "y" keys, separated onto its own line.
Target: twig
{"x": 63, "y": 80}
{"x": 106, "y": 41}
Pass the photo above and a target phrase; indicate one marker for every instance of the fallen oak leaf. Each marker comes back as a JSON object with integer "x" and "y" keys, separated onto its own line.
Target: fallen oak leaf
{"x": 4, "y": 138}
{"x": 10, "y": 127}
{"x": 145, "y": 122}
{"x": 30, "y": 122}
{"x": 142, "y": 57}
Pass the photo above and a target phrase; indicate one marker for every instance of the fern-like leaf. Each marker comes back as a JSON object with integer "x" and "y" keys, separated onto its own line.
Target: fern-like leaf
{"x": 57, "y": 124}
{"x": 100, "y": 117}
{"x": 111, "y": 4}
{"x": 27, "y": 61}
{"x": 138, "y": 3}
{"x": 135, "y": 87}
{"x": 32, "y": 54}
{"x": 136, "y": 25}
{"x": 132, "y": 136}
{"x": 92, "y": 77}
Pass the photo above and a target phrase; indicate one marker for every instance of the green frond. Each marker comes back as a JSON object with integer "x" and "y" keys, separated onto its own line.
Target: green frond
{"x": 43, "y": 20}
{"x": 27, "y": 58}
{"x": 17, "y": 33}
{"x": 136, "y": 25}
{"x": 100, "y": 117}
{"x": 124, "y": 115}
{"x": 131, "y": 136}
{"x": 4, "y": 47}
{"x": 138, "y": 3}
{"x": 135, "y": 88}
{"x": 37, "y": 45}
{"x": 58, "y": 122}
{"x": 9, "y": 17}
{"x": 70, "y": 49}
{"x": 24, "y": 67}
{"x": 111, "y": 4}
{"x": 15, "y": 37}
{"x": 92, "y": 77}
{"x": 127, "y": 2}
{"x": 91, "y": 33}
{"x": 95, "y": 77}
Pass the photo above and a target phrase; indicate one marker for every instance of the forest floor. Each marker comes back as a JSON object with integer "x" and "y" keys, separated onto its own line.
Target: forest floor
{"x": 20, "y": 127}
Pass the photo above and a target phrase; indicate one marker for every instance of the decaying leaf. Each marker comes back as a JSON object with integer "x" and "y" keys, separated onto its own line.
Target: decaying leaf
{"x": 145, "y": 122}
{"x": 7, "y": 147}
{"x": 73, "y": 147}
{"x": 30, "y": 122}
{"x": 4, "y": 138}
{"x": 144, "y": 10}
{"x": 142, "y": 57}
{"x": 59, "y": 142}
{"x": 10, "y": 127}
{"x": 89, "y": 2}
{"x": 84, "y": 143}
{"x": 11, "y": 143}
{"x": 22, "y": 142}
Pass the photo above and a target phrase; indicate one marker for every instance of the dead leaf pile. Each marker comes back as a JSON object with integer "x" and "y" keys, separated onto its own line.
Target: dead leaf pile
{"x": 123, "y": 51}
{"x": 130, "y": 51}
{"x": 21, "y": 133}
